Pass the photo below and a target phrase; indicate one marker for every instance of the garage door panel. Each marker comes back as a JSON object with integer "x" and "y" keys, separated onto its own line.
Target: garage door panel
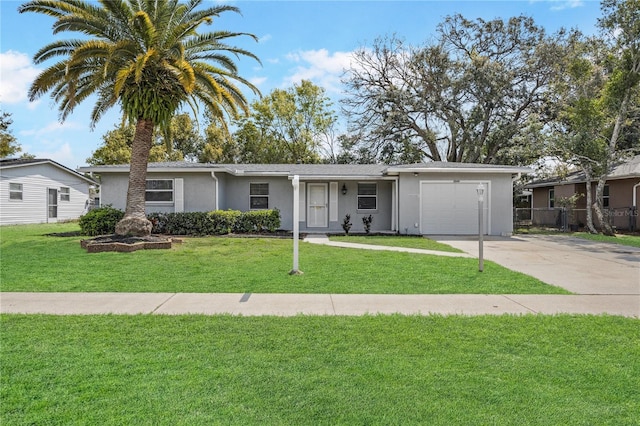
{"x": 450, "y": 208}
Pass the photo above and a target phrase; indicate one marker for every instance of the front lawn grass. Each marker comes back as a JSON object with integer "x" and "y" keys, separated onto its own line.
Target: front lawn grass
{"x": 197, "y": 370}
{"x": 32, "y": 261}
{"x": 417, "y": 242}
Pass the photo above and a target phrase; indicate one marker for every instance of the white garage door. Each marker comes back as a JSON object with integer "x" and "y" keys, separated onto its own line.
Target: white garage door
{"x": 451, "y": 208}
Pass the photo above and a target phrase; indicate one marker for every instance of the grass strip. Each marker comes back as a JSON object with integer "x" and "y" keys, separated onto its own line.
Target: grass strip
{"x": 195, "y": 370}
{"x": 32, "y": 261}
{"x": 417, "y": 242}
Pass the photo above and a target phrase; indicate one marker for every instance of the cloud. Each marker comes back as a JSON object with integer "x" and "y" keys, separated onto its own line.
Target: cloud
{"x": 265, "y": 38}
{"x": 62, "y": 154}
{"x": 258, "y": 81}
{"x": 16, "y": 74}
{"x": 319, "y": 66}
{"x": 52, "y": 127}
{"x": 561, "y": 4}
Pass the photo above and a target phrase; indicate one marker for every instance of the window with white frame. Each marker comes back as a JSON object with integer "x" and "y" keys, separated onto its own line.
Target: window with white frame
{"x": 552, "y": 198}
{"x": 259, "y": 196}
{"x": 65, "y": 194}
{"x": 15, "y": 191}
{"x": 159, "y": 191}
{"x": 605, "y": 197}
{"x": 367, "y": 196}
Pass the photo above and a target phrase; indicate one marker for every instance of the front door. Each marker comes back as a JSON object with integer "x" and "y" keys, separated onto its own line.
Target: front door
{"x": 52, "y": 203}
{"x": 317, "y": 205}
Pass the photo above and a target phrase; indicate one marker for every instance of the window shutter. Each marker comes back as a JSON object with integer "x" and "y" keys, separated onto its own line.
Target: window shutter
{"x": 303, "y": 202}
{"x": 333, "y": 201}
{"x": 178, "y": 193}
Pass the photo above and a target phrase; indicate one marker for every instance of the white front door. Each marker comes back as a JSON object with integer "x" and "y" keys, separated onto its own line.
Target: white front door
{"x": 317, "y": 205}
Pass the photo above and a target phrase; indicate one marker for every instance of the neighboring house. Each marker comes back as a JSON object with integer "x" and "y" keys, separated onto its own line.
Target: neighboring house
{"x": 432, "y": 198}
{"x": 39, "y": 191}
{"x": 621, "y": 194}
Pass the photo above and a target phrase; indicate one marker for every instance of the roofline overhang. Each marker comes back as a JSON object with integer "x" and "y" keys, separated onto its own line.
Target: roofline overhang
{"x": 107, "y": 169}
{"x": 577, "y": 181}
{"x": 55, "y": 164}
{"x": 340, "y": 177}
{"x": 511, "y": 170}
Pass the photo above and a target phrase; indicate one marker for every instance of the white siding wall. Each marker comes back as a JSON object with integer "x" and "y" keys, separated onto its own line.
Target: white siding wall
{"x": 33, "y": 208}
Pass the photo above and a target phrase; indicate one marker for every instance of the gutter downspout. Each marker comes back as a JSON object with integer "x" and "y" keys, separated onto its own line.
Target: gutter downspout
{"x": 397, "y": 206}
{"x": 213, "y": 175}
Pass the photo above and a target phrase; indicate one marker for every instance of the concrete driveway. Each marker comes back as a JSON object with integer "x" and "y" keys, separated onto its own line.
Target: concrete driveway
{"x": 580, "y": 266}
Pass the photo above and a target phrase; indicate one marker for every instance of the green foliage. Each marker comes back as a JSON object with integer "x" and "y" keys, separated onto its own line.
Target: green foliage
{"x": 147, "y": 57}
{"x": 8, "y": 143}
{"x": 346, "y": 223}
{"x": 224, "y": 221}
{"x": 367, "y": 221}
{"x": 215, "y": 223}
{"x": 476, "y": 93}
{"x": 287, "y": 126}
{"x": 185, "y": 223}
{"x": 100, "y": 221}
{"x": 258, "y": 221}
{"x": 184, "y": 143}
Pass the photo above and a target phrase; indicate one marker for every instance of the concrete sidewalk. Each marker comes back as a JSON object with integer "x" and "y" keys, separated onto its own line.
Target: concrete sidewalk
{"x": 313, "y": 304}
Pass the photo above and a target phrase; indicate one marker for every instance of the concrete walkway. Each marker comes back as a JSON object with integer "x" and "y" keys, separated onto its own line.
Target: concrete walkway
{"x": 605, "y": 277}
{"x": 323, "y": 239}
{"x": 312, "y": 304}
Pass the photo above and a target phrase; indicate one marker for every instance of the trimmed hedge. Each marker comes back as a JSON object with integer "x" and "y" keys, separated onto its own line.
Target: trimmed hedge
{"x": 218, "y": 222}
{"x": 100, "y": 221}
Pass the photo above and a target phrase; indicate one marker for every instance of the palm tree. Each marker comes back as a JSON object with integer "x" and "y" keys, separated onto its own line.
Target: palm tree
{"x": 147, "y": 57}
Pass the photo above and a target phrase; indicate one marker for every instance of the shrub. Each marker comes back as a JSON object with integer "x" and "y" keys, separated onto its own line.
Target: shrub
{"x": 346, "y": 224}
{"x": 224, "y": 220}
{"x": 366, "y": 221}
{"x": 258, "y": 221}
{"x": 184, "y": 223}
{"x": 100, "y": 221}
{"x": 217, "y": 222}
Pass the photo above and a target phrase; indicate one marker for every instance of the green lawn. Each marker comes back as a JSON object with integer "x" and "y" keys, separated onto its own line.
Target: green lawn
{"x": 397, "y": 241}
{"x": 34, "y": 262}
{"x": 196, "y": 370}
{"x": 622, "y": 239}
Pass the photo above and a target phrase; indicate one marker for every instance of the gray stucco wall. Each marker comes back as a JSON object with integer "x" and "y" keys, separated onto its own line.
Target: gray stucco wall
{"x": 348, "y": 204}
{"x": 500, "y": 199}
{"x": 198, "y": 191}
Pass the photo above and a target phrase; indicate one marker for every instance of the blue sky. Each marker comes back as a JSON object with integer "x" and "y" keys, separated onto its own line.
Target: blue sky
{"x": 298, "y": 40}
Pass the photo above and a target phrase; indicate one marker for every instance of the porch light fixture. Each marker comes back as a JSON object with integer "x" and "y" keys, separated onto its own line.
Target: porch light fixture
{"x": 344, "y": 189}
{"x": 480, "y": 191}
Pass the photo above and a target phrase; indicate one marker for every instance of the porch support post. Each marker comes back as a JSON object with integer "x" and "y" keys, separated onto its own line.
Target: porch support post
{"x": 296, "y": 224}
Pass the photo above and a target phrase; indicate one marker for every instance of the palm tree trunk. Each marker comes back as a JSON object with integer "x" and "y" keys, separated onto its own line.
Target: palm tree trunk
{"x": 135, "y": 220}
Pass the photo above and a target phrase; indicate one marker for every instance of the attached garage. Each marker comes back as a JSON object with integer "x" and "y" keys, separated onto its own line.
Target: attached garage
{"x": 452, "y": 207}
{"x": 442, "y": 199}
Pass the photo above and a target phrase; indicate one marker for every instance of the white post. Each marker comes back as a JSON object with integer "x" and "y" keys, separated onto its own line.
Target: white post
{"x": 480, "y": 191}
{"x": 296, "y": 224}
